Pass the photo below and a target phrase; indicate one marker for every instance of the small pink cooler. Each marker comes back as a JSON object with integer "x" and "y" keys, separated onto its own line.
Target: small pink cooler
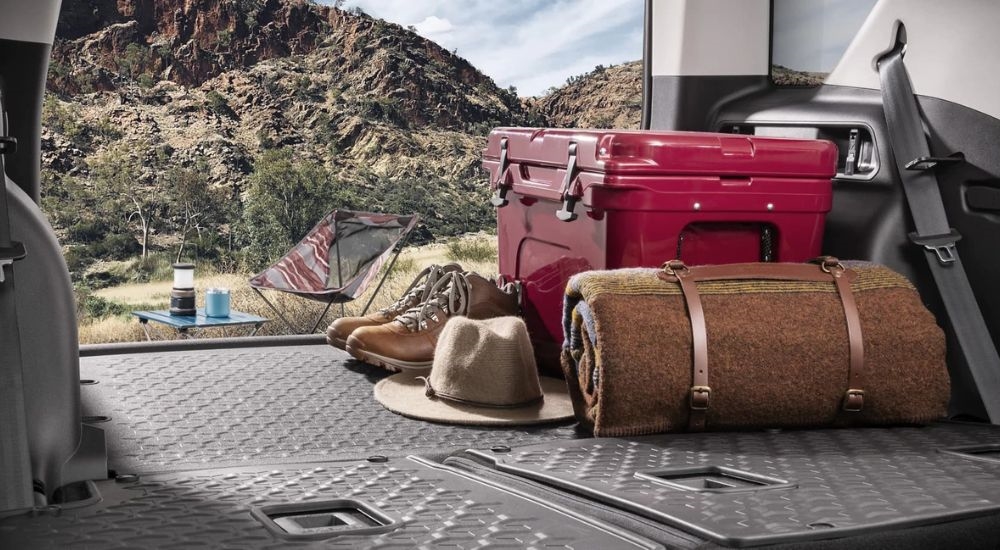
{"x": 575, "y": 200}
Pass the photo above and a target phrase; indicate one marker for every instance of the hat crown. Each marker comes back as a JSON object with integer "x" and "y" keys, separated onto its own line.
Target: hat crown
{"x": 488, "y": 363}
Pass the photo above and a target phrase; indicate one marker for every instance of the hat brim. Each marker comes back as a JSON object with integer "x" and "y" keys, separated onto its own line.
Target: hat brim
{"x": 404, "y": 394}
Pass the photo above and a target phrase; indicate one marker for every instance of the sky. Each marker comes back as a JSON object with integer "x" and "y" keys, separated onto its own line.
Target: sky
{"x": 530, "y": 44}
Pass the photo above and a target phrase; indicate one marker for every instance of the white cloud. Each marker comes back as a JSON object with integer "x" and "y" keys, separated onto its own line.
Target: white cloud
{"x": 433, "y": 25}
{"x": 530, "y": 44}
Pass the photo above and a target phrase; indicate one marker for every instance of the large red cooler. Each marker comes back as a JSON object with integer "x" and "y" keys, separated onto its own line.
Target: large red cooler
{"x": 575, "y": 200}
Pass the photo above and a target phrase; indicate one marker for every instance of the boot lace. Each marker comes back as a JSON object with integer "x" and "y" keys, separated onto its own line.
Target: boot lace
{"x": 417, "y": 292}
{"x": 449, "y": 296}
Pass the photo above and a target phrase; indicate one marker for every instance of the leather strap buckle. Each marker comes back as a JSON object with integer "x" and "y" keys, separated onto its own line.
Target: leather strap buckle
{"x": 830, "y": 264}
{"x": 699, "y": 397}
{"x": 674, "y": 267}
{"x": 854, "y": 400}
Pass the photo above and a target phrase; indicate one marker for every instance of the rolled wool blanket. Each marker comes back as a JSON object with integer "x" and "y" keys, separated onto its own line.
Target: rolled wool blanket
{"x": 778, "y": 352}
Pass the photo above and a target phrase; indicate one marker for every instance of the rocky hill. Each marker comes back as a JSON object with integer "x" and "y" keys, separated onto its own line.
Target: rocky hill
{"x": 147, "y": 96}
{"x": 783, "y": 76}
{"x": 608, "y": 97}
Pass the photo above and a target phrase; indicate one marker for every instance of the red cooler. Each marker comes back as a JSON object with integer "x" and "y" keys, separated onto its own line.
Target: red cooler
{"x": 575, "y": 200}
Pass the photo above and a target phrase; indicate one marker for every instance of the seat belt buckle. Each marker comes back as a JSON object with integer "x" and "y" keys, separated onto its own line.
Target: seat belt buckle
{"x": 941, "y": 245}
{"x": 9, "y": 255}
{"x": 929, "y": 163}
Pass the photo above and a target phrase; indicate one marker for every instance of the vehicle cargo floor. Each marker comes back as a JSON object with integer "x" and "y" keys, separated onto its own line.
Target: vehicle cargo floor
{"x": 185, "y": 410}
{"x": 285, "y": 447}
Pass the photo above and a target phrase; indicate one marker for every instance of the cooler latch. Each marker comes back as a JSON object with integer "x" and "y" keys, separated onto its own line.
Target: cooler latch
{"x": 500, "y": 199}
{"x": 566, "y": 213}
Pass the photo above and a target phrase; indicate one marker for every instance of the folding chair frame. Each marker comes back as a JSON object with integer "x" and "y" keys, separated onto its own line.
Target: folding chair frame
{"x": 397, "y": 249}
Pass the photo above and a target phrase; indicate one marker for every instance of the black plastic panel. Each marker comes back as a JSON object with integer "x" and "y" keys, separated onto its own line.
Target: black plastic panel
{"x": 791, "y": 486}
{"x": 23, "y": 66}
{"x": 212, "y": 408}
{"x": 432, "y": 507}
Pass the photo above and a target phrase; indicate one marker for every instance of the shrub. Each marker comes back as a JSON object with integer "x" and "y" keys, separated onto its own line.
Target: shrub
{"x": 472, "y": 250}
{"x": 76, "y": 260}
{"x": 108, "y": 130}
{"x": 115, "y": 247}
{"x": 58, "y": 118}
{"x": 384, "y": 109}
{"x": 87, "y": 231}
{"x": 216, "y": 103}
{"x": 96, "y": 307}
{"x": 225, "y": 38}
{"x": 157, "y": 267}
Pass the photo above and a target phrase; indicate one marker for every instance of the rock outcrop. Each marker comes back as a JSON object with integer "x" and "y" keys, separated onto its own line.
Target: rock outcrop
{"x": 604, "y": 98}
{"x": 214, "y": 83}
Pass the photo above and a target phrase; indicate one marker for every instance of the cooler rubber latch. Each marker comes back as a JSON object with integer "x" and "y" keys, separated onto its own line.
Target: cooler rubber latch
{"x": 566, "y": 213}
{"x": 500, "y": 199}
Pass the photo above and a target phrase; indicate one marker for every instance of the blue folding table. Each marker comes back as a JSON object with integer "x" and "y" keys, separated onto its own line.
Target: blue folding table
{"x": 186, "y": 324}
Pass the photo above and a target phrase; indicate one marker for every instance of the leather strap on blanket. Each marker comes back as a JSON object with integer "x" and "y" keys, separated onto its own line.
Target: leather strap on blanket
{"x": 826, "y": 269}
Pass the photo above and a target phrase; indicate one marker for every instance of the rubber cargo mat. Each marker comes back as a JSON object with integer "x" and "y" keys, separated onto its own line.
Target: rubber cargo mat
{"x": 186, "y": 410}
{"x": 406, "y": 503}
{"x": 748, "y": 489}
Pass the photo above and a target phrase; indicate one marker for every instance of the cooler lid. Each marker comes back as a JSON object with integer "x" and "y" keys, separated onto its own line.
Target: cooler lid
{"x": 638, "y": 152}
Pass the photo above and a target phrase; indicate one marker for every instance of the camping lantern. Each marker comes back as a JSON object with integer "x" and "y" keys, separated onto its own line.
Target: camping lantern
{"x": 182, "y": 300}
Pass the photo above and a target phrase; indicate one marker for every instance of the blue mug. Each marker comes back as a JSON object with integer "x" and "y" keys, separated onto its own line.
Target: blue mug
{"x": 217, "y": 302}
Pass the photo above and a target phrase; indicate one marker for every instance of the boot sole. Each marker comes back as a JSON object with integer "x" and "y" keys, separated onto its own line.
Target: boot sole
{"x": 338, "y": 343}
{"x": 388, "y": 363}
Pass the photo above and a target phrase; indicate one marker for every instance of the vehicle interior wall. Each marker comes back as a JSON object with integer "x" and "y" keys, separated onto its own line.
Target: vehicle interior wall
{"x": 869, "y": 219}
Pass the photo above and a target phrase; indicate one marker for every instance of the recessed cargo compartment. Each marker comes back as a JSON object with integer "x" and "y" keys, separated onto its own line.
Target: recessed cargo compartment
{"x": 320, "y": 520}
{"x": 714, "y": 479}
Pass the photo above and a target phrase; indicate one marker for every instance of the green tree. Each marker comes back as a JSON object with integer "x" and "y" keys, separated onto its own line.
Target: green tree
{"x": 286, "y": 198}
{"x": 134, "y": 62}
{"x": 117, "y": 176}
{"x": 191, "y": 200}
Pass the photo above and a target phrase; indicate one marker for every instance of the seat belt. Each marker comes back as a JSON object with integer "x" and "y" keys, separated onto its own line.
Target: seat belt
{"x": 16, "y": 491}
{"x": 933, "y": 233}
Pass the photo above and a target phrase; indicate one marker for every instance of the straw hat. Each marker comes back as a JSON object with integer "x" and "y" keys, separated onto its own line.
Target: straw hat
{"x": 484, "y": 373}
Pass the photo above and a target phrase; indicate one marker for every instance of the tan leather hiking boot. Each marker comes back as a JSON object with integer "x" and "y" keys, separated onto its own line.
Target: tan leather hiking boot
{"x": 408, "y": 342}
{"x": 414, "y": 295}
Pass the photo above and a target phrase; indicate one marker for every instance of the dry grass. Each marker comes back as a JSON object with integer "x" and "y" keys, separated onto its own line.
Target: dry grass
{"x": 302, "y": 313}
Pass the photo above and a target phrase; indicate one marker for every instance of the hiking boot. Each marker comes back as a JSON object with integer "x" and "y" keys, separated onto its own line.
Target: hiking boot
{"x": 408, "y": 342}
{"x": 414, "y": 295}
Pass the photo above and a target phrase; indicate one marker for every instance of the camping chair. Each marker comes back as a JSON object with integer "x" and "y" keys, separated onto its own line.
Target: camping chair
{"x": 337, "y": 260}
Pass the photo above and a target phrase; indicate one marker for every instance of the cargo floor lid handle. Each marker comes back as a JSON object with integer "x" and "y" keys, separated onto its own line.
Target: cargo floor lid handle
{"x": 933, "y": 233}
